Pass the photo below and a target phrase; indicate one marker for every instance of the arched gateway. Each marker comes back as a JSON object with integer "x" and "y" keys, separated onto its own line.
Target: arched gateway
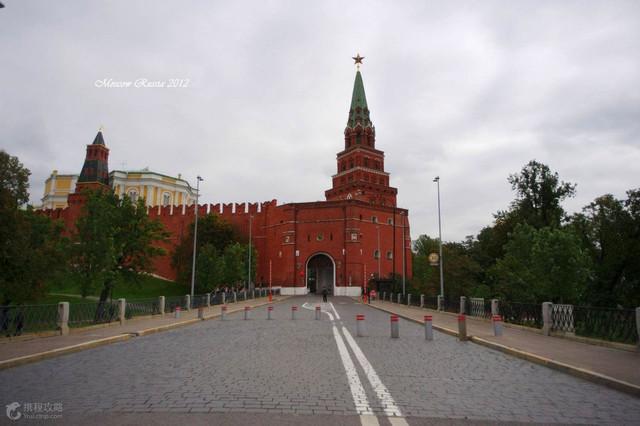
{"x": 320, "y": 273}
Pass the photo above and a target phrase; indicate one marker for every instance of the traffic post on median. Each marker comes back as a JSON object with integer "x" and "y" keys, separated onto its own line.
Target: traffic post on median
{"x": 360, "y": 326}
{"x": 497, "y": 325}
{"x": 269, "y": 311}
{"x": 462, "y": 327}
{"x": 294, "y": 310}
{"x": 395, "y": 327}
{"x": 318, "y": 313}
{"x": 428, "y": 327}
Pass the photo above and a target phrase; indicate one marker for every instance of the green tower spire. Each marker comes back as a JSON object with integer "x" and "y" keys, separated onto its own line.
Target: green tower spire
{"x": 359, "y": 111}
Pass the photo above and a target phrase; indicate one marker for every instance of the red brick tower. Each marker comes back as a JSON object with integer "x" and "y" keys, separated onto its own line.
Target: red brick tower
{"x": 94, "y": 174}
{"x": 361, "y": 174}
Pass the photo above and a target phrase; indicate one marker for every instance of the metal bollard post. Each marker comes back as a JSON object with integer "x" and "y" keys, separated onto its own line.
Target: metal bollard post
{"x": 547, "y": 307}
{"x": 494, "y": 307}
{"x": 63, "y": 318}
{"x": 462, "y": 327}
{"x": 177, "y": 312}
{"x": 318, "y": 313}
{"x": 395, "y": 327}
{"x": 409, "y": 299}
{"x": 463, "y": 304}
{"x": 384, "y": 294}
{"x": 428, "y": 327}
{"x": 123, "y": 307}
{"x": 247, "y": 312}
{"x": 294, "y": 309}
{"x": 224, "y": 298}
{"x": 422, "y": 300}
{"x": 235, "y": 297}
{"x": 161, "y": 305}
{"x": 497, "y": 325}
{"x": 360, "y": 328}
{"x": 269, "y": 310}
{"x": 201, "y": 313}
{"x": 223, "y": 312}
{"x": 187, "y": 302}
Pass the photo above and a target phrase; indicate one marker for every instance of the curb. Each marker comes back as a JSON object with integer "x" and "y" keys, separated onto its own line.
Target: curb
{"x": 582, "y": 373}
{"x": 27, "y": 359}
{"x": 166, "y": 327}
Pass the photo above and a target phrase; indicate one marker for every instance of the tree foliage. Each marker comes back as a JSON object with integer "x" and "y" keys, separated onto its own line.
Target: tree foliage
{"x": 610, "y": 232}
{"x": 31, "y": 247}
{"x": 541, "y": 265}
{"x": 539, "y": 194}
{"x": 221, "y": 259}
{"x": 115, "y": 240}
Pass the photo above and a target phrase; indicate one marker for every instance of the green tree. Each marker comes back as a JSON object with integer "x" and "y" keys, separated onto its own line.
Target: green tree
{"x": 539, "y": 195}
{"x": 115, "y": 240}
{"x": 32, "y": 249}
{"x": 610, "y": 232}
{"x": 212, "y": 230}
{"x": 461, "y": 272}
{"x": 542, "y": 265}
{"x": 210, "y": 268}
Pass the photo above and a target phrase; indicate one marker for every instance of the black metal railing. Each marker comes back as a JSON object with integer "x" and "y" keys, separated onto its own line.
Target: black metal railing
{"x": 15, "y": 320}
{"x": 451, "y": 305}
{"x": 617, "y": 325}
{"x": 171, "y": 303}
{"x": 415, "y": 299}
{"x": 84, "y": 314}
{"x": 142, "y": 307}
{"x": 562, "y": 318}
{"x": 199, "y": 301}
{"x": 527, "y": 314}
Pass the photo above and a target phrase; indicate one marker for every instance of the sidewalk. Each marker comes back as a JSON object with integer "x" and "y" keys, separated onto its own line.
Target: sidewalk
{"x": 17, "y": 352}
{"x": 596, "y": 363}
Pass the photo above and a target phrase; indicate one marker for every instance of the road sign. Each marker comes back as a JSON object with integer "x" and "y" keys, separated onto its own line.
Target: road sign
{"x": 434, "y": 259}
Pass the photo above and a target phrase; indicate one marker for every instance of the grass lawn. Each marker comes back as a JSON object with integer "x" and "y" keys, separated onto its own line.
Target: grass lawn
{"x": 147, "y": 287}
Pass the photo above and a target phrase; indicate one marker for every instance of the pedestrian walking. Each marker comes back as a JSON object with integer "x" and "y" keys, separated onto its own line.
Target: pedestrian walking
{"x": 324, "y": 294}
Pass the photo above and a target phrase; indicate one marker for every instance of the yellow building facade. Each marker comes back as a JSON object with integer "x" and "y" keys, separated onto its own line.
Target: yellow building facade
{"x": 157, "y": 189}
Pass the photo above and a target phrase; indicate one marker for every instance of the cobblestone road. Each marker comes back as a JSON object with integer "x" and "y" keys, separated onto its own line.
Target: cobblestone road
{"x": 283, "y": 367}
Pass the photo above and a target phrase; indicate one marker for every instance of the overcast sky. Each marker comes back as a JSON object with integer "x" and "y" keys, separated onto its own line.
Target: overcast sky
{"x": 469, "y": 91}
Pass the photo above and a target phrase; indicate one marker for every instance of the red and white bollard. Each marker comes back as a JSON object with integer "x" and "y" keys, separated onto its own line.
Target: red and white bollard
{"x": 223, "y": 312}
{"x": 497, "y": 325}
{"x": 395, "y": 326}
{"x": 462, "y": 327}
{"x": 269, "y": 310}
{"x": 177, "y": 312}
{"x": 318, "y": 313}
{"x": 247, "y": 312}
{"x": 294, "y": 310}
{"x": 428, "y": 327}
{"x": 360, "y": 326}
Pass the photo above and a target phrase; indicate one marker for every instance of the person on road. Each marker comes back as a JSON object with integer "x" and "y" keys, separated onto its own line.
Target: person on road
{"x": 324, "y": 294}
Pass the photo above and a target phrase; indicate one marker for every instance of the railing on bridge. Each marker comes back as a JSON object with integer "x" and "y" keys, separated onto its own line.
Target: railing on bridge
{"x": 15, "y": 320}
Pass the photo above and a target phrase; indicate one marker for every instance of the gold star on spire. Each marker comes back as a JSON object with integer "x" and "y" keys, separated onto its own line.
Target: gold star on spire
{"x": 358, "y": 60}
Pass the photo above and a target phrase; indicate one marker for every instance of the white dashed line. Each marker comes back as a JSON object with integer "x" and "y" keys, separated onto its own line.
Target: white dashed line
{"x": 383, "y": 394}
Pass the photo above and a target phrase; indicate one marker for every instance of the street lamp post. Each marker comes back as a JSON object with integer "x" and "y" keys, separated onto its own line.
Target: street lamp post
{"x": 195, "y": 238}
{"x": 249, "y": 268}
{"x": 379, "y": 253}
{"x": 404, "y": 248}
{"x": 437, "y": 180}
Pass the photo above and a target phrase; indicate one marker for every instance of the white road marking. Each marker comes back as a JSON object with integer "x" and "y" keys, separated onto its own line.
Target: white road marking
{"x": 383, "y": 394}
{"x": 334, "y": 310}
{"x": 357, "y": 391}
{"x": 369, "y": 420}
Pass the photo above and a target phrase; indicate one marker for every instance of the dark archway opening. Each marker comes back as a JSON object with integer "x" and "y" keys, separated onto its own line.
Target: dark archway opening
{"x": 320, "y": 274}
